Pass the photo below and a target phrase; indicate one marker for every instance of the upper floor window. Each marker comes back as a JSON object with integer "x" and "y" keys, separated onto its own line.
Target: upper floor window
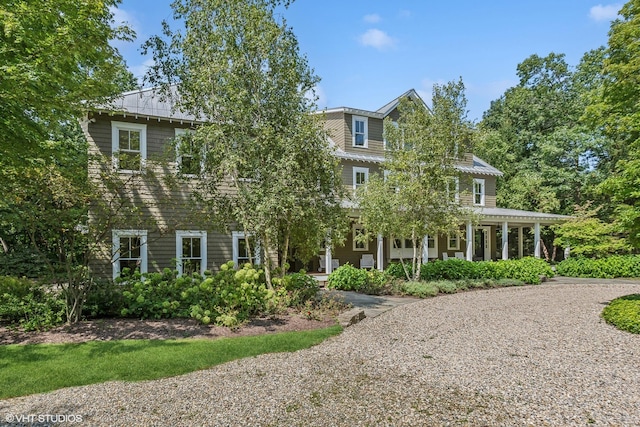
{"x": 188, "y": 160}
{"x": 128, "y": 146}
{"x": 478, "y": 192}
{"x": 360, "y": 131}
{"x": 359, "y": 244}
{"x": 191, "y": 251}
{"x": 360, "y": 177}
{"x": 129, "y": 251}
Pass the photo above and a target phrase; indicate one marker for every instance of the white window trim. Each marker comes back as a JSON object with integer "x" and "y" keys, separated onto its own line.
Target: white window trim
{"x": 180, "y": 234}
{"x": 180, "y": 132}
{"x": 457, "y": 246}
{"x": 482, "y": 194}
{"x": 115, "y": 238}
{"x": 356, "y": 170}
{"x": 115, "y": 143}
{"x": 353, "y": 238}
{"x": 366, "y": 131}
{"x": 237, "y": 236}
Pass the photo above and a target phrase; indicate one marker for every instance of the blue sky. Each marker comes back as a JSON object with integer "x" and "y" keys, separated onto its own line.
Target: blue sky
{"x": 369, "y": 52}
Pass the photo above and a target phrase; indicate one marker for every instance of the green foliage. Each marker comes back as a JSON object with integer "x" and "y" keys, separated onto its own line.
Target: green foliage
{"x": 347, "y": 278}
{"x": 22, "y": 261}
{"x": 420, "y": 159}
{"x": 254, "y": 93}
{"x": 624, "y": 313}
{"x": 589, "y": 236}
{"x": 29, "y": 305}
{"x": 420, "y": 289}
{"x": 603, "y": 268}
{"x": 300, "y": 288}
{"x": 39, "y": 368}
{"x": 57, "y": 59}
{"x": 526, "y": 269}
{"x": 105, "y": 299}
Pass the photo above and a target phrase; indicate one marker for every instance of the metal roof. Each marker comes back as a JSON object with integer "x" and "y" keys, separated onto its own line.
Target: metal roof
{"x": 520, "y": 215}
{"x": 149, "y": 103}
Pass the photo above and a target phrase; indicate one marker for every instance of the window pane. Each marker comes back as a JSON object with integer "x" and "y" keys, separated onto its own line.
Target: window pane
{"x": 359, "y": 139}
{"x": 242, "y": 248}
{"x": 135, "y": 247}
{"x": 123, "y": 139}
{"x": 431, "y": 243}
{"x": 134, "y": 140}
{"x": 408, "y": 243}
{"x": 195, "y": 247}
{"x": 129, "y": 161}
{"x": 186, "y": 247}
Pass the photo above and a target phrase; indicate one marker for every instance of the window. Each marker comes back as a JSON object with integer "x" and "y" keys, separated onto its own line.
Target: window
{"x": 128, "y": 146}
{"x": 129, "y": 251}
{"x": 358, "y": 231}
{"x": 360, "y": 136}
{"x": 453, "y": 242}
{"x": 191, "y": 252}
{"x": 478, "y": 192}
{"x": 187, "y": 159}
{"x": 241, "y": 253}
{"x": 360, "y": 177}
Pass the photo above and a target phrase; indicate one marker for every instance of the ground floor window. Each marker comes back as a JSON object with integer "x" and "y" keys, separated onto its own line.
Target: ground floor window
{"x": 245, "y": 249}
{"x": 191, "y": 252}
{"x": 129, "y": 251}
{"x": 453, "y": 242}
{"x": 359, "y": 245}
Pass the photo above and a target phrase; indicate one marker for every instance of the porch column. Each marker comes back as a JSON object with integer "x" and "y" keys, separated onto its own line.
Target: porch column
{"x": 469, "y": 241}
{"x": 536, "y": 239}
{"x": 425, "y": 249}
{"x": 380, "y": 255}
{"x": 327, "y": 258}
{"x": 520, "y": 237}
{"x": 505, "y": 240}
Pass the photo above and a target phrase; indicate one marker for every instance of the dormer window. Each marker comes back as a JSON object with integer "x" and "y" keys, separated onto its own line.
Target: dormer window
{"x": 360, "y": 132}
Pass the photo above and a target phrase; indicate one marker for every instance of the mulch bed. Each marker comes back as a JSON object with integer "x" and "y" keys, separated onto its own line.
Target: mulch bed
{"x": 118, "y": 329}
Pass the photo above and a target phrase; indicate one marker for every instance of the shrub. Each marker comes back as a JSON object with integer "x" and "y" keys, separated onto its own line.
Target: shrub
{"x": 420, "y": 289}
{"x": 527, "y": 270}
{"x": 395, "y": 270}
{"x": 447, "y": 286}
{"x": 30, "y": 305}
{"x": 300, "y": 288}
{"x": 452, "y": 269}
{"x": 378, "y": 283}
{"x": 624, "y": 313}
{"x": 347, "y": 278}
{"x": 603, "y": 268}
{"x": 105, "y": 299}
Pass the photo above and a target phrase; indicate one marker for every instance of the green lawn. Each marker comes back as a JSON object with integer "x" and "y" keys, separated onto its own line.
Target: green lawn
{"x": 37, "y": 368}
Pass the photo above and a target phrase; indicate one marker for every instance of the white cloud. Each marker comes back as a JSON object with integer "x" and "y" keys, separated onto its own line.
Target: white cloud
{"x": 122, "y": 17}
{"x": 319, "y": 96}
{"x": 372, "y": 18}
{"x": 604, "y": 13}
{"x": 377, "y": 39}
{"x": 140, "y": 70}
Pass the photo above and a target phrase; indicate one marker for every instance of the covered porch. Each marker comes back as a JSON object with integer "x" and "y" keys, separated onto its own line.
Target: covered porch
{"x": 499, "y": 234}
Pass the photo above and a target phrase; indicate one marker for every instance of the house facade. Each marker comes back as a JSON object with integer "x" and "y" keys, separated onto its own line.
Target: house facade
{"x": 136, "y": 132}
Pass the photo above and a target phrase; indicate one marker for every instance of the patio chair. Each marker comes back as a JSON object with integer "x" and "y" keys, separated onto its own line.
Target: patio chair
{"x": 367, "y": 261}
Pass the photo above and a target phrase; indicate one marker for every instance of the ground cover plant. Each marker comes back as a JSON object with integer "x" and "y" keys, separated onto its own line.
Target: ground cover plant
{"x": 37, "y": 368}
{"x": 601, "y": 268}
{"x": 624, "y": 313}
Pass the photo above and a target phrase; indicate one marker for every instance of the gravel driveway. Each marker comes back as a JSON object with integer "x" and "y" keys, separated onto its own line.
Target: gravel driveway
{"x": 535, "y": 355}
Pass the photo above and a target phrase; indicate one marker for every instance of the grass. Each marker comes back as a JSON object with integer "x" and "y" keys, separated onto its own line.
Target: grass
{"x": 37, "y": 368}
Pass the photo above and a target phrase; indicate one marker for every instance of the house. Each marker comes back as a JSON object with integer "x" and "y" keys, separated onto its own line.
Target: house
{"x": 137, "y": 130}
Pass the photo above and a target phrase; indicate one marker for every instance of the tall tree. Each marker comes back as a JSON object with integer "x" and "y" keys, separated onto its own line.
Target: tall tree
{"x": 416, "y": 198}
{"x": 267, "y": 167}
{"x": 533, "y": 133}
{"x": 56, "y": 60}
{"x": 615, "y": 110}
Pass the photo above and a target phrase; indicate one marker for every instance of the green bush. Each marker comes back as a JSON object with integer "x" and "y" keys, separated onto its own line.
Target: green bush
{"x": 624, "y": 313}
{"x": 378, "y": 283}
{"x": 347, "y": 278}
{"x": 300, "y": 288}
{"x": 602, "y": 268}
{"x": 105, "y": 299}
{"x": 395, "y": 270}
{"x": 22, "y": 262}
{"x": 527, "y": 270}
{"x": 420, "y": 289}
{"x": 29, "y": 305}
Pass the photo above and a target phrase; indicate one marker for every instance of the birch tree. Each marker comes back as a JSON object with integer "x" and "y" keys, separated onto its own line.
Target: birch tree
{"x": 268, "y": 168}
{"x": 417, "y": 196}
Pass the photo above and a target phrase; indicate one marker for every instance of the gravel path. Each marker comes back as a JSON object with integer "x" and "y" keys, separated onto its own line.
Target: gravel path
{"x": 536, "y": 355}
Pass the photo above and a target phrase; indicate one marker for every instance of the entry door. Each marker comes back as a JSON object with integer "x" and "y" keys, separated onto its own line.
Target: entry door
{"x": 482, "y": 244}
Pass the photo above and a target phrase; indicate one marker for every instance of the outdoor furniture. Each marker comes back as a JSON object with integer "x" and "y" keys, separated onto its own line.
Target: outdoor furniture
{"x": 460, "y": 255}
{"x": 445, "y": 256}
{"x": 335, "y": 263}
{"x": 367, "y": 261}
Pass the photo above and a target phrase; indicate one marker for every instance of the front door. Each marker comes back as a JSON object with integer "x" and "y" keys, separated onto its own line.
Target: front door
{"x": 482, "y": 244}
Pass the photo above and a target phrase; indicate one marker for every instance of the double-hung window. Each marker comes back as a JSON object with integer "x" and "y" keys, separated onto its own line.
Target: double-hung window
{"x": 191, "y": 252}
{"x": 358, "y": 244}
{"x": 129, "y": 146}
{"x": 243, "y": 251}
{"x": 360, "y": 131}
{"x": 129, "y": 251}
{"x": 478, "y": 192}
{"x": 453, "y": 242}
{"x": 188, "y": 160}
{"x": 360, "y": 177}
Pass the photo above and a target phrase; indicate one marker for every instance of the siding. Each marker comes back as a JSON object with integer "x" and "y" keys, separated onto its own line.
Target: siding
{"x": 335, "y": 125}
{"x": 374, "y": 137}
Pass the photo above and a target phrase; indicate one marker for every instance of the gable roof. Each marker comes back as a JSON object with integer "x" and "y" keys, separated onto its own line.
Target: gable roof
{"x": 389, "y": 107}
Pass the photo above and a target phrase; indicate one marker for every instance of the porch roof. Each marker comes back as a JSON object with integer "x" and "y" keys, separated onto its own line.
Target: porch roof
{"x": 515, "y": 215}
